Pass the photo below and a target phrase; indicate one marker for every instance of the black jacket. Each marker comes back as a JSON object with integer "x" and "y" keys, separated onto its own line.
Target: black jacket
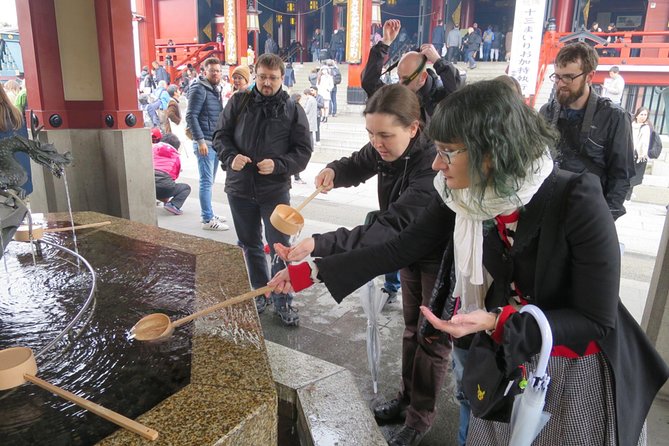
{"x": 404, "y": 189}
{"x": 204, "y": 108}
{"x": 566, "y": 260}
{"x": 437, "y": 85}
{"x": 262, "y": 128}
{"x": 608, "y": 147}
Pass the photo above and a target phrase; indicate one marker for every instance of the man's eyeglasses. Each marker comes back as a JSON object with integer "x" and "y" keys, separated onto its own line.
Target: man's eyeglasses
{"x": 264, "y": 77}
{"x": 565, "y": 78}
{"x": 447, "y": 156}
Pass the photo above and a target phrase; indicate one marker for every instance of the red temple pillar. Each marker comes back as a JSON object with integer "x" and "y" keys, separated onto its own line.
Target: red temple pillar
{"x": 656, "y": 20}
{"x": 355, "y": 93}
{"x": 79, "y": 69}
{"x": 564, "y": 15}
{"x": 147, "y": 34}
{"x": 85, "y": 92}
{"x": 437, "y": 13}
{"x": 115, "y": 44}
{"x": 242, "y": 31}
{"x": 467, "y": 17}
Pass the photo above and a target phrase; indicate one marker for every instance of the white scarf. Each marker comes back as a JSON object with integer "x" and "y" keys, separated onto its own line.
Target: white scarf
{"x": 468, "y": 234}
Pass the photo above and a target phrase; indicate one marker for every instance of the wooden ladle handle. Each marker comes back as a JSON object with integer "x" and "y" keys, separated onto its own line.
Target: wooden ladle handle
{"x": 226, "y": 303}
{"x": 309, "y": 198}
{"x": 107, "y": 414}
{"x": 69, "y": 228}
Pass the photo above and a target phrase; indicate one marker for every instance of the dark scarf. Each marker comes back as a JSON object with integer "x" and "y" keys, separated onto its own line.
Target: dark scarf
{"x": 271, "y": 106}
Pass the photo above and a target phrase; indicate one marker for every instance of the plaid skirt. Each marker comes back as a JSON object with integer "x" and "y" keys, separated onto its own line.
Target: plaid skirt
{"x": 580, "y": 400}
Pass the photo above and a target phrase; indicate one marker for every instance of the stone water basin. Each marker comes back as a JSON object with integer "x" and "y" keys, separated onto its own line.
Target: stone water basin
{"x": 210, "y": 383}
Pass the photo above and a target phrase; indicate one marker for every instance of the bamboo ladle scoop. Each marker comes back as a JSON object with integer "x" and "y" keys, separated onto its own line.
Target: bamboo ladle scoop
{"x": 17, "y": 365}
{"x": 288, "y": 220}
{"x": 158, "y": 325}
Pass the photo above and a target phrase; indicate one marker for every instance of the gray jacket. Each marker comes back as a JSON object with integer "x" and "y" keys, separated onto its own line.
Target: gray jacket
{"x": 454, "y": 38}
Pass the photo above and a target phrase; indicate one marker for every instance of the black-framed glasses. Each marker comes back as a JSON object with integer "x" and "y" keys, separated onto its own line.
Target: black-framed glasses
{"x": 264, "y": 77}
{"x": 565, "y": 78}
{"x": 447, "y": 156}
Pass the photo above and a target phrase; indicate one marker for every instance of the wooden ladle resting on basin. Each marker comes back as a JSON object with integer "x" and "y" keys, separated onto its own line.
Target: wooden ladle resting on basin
{"x": 158, "y": 325}
{"x": 17, "y": 365}
{"x": 289, "y": 220}
{"x": 23, "y": 233}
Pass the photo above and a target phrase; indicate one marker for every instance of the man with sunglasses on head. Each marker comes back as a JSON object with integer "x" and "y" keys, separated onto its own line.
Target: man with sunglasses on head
{"x": 262, "y": 140}
{"x": 595, "y": 134}
{"x": 430, "y": 85}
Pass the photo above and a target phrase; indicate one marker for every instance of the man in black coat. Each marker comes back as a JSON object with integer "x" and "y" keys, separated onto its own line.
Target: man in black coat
{"x": 262, "y": 139}
{"x": 430, "y": 87}
{"x": 595, "y": 134}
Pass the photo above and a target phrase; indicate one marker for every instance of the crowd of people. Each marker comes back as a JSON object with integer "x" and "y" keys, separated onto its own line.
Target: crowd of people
{"x": 534, "y": 196}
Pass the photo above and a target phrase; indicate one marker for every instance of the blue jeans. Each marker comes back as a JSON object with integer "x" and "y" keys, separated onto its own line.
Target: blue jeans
{"x": 207, "y": 167}
{"x": 333, "y": 101}
{"x": 339, "y": 54}
{"x": 469, "y": 57}
{"x": 392, "y": 282}
{"x": 248, "y": 217}
{"x": 486, "y": 51}
{"x": 153, "y": 114}
{"x": 459, "y": 356}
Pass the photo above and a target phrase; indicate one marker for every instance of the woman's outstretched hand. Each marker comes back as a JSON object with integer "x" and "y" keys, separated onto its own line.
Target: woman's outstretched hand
{"x": 297, "y": 252}
{"x": 462, "y": 324}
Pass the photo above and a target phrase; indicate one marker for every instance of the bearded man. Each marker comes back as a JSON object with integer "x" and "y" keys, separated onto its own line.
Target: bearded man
{"x": 595, "y": 134}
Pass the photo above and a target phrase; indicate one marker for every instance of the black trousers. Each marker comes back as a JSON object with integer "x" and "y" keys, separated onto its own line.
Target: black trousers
{"x": 424, "y": 364}
{"x": 167, "y": 188}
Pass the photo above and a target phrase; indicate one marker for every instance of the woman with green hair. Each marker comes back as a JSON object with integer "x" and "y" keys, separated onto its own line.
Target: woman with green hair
{"x": 520, "y": 232}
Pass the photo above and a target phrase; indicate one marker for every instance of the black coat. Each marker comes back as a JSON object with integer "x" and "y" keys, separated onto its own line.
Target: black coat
{"x": 262, "y": 128}
{"x": 609, "y": 147}
{"x": 404, "y": 189}
{"x": 566, "y": 260}
{"x": 437, "y": 86}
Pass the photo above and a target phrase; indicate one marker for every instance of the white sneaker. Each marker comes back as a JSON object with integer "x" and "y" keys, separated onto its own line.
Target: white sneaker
{"x": 220, "y": 218}
{"x": 215, "y": 225}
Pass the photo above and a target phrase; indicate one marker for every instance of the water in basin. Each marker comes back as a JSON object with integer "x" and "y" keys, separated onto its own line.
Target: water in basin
{"x": 102, "y": 364}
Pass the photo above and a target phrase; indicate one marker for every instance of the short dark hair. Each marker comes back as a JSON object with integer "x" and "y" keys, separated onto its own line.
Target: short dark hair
{"x": 211, "y": 61}
{"x": 171, "y": 139}
{"x": 396, "y": 100}
{"x": 172, "y": 90}
{"x": 614, "y": 69}
{"x": 578, "y": 51}
{"x": 514, "y": 139}
{"x": 272, "y": 62}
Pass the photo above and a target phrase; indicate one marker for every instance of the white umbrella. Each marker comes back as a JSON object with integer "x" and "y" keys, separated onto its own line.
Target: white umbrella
{"x": 528, "y": 417}
{"x": 373, "y": 300}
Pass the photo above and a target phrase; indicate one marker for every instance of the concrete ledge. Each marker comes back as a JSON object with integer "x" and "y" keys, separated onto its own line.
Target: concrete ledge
{"x": 328, "y": 407}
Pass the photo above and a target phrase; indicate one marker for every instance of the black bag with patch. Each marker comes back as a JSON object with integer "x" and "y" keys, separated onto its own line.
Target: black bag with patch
{"x": 336, "y": 75}
{"x": 655, "y": 145}
{"x": 489, "y": 388}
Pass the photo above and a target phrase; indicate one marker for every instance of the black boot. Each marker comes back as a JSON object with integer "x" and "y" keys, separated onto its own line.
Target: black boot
{"x": 393, "y": 410}
{"x": 407, "y": 436}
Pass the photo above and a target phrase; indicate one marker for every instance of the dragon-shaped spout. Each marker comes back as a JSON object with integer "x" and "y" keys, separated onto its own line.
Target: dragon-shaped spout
{"x": 12, "y": 176}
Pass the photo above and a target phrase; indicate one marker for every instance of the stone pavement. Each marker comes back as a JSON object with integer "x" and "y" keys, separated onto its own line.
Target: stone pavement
{"x": 336, "y": 333}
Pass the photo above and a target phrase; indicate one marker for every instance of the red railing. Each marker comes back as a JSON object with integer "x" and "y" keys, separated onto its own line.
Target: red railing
{"x": 187, "y": 54}
{"x": 635, "y": 48}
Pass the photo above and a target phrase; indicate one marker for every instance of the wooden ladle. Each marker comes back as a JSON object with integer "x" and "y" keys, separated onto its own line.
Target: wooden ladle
{"x": 17, "y": 366}
{"x": 158, "y": 325}
{"x": 23, "y": 232}
{"x": 288, "y": 220}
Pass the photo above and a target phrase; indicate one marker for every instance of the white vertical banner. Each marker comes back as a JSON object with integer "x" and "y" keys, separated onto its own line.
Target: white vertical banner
{"x": 230, "y": 15}
{"x": 354, "y": 31}
{"x": 528, "y": 28}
